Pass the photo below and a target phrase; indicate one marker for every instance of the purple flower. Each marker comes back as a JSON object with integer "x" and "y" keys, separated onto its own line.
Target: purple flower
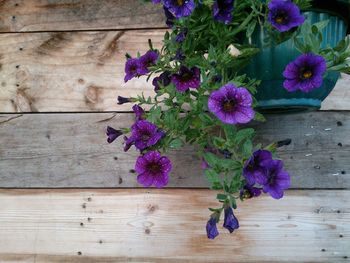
{"x": 222, "y": 10}
{"x": 186, "y": 78}
{"x": 212, "y": 230}
{"x": 179, "y": 55}
{"x": 249, "y": 191}
{"x": 305, "y": 73}
{"x": 143, "y": 135}
{"x": 152, "y": 168}
{"x": 278, "y": 180}
{"x": 156, "y": 1}
{"x": 180, "y": 8}
{"x": 170, "y": 18}
{"x": 181, "y": 36}
{"x": 256, "y": 167}
{"x": 112, "y": 134}
{"x": 122, "y": 100}
{"x": 139, "y": 112}
{"x": 163, "y": 80}
{"x": 231, "y": 105}
{"x": 284, "y": 15}
{"x": 230, "y": 221}
{"x": 131, "y": 69}
{"x": 147, "y": 60}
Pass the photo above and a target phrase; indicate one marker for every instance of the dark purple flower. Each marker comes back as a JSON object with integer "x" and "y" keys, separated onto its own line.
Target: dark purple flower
{"x": 222, "y": 10}
{"x": 128, "y": 143}
{"x": 231, "y": 105}
{"x": 122, "y": 100}
{"x": 152, "y": 168}
{"x": 131, "y": 69}
{"x": 169, "y": 17}
{"x": 163, "y": 80}
{"x": 139, "y": 112}
{"x": 180, "y": 8}
{"x": 144, "y": 134}
{"x": 181, "y": 36}
{"x": 212, "y": 230}
{"x": 249, "y": 191}
{"x": 256, "y": 167}
{"x": 147, "y": 60}
{"x": 186, "y": 78}
{"x": 230, "y": 221}
{"x": 112, "y": 134}
{"x": 284, "y": 15}
{"x": 305, "y": 73}
{"x": 179, "y": 55}
{"x": 278, "y": 180}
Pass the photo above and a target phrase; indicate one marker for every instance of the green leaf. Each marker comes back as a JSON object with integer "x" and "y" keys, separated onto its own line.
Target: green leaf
{"x": 221, "y": 197}
{"x": 175, "y": 144}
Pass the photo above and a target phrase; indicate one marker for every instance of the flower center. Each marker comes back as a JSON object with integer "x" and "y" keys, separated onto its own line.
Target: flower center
{"x": 281, "y": 18}
{"x": 154, "y": 167}
{"x": 146, "y": 136}
{"x": 229, "y": 105}
{"x": 186, "y": 76}
{"x": 180, "y": 2}
{"x": 307, "y": 74}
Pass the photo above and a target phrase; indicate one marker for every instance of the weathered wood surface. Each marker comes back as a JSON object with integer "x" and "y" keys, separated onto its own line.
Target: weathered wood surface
{"x": 84, "y": 71}
{"x": 169, "y": 226}
{"x": 70, "y": 150}
{"x": 71, "y": 15}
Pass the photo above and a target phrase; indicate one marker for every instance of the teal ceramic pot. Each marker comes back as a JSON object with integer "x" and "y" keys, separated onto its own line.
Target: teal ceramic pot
{"x": 269, "y": 65}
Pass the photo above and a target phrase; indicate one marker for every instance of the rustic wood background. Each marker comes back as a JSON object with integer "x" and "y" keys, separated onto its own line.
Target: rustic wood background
{"x": 61, "y": 69}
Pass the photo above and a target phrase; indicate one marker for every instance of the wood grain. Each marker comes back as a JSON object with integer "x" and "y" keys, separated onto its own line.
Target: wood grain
{"x": 71, "y": 15}
{"x": 169, "y": 226}
{"x": 70, "y": 150}
{"x": 84, "y": 71}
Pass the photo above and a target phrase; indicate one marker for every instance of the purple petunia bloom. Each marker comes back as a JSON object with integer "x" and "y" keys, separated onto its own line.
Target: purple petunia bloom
{"x": 131, "y": 69}
{"x": 212, "y": 230}
{"x": 305, "y": 73}
{"x": 112, "y": 134}
{"x": 163, "y": 80}
{"x": 152, "y": 168}
{"x": 181, "y": 36}
{"x": 222, "y": 10}
{"x": 139, "y": 112}
{"x": 144, "y": 134}
{"x": 278, "y": 180}
{"x": 186, "y": 78}
{"x": 248, "y": 192}
{"x": 170, "y": 18}
{"x": 284, "y": 15}
{"x": 147, "y": 60}
{"x": 231, "y": 105}
{"x": 230, "y": 221}
{"x": 180, "y": 8}
{"x": 256, "y": 167}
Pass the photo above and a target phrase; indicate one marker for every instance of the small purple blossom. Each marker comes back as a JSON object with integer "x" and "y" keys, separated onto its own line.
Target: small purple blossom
{"x": 180, "y": 8}
{"x": 284, "y": 15}
{"x": 139, "y": 112}
{"x": 123, "y": 100}
{"x": 231, "y": 105}
{"x": 256, "y": 167}
{"x": 131, "y": 69}
{"x": 163, "y": 80}
{"x": 156, "y": 1}
{"x": 249, "y": 191}
{"x": 212, "y": 230}
{"x": 186, "y": 78}
{"x": 181, "y": 36}
{"x": 153, "y": 169}
{"x": 147, "y": 60}
{"x": 179, "y": 55}
{"x": 230, "y": 221}
{"x": 278, "y": 179}
{"x": 305, "y": 73}
{"x": 222, "y": 10}
{"x": 144, "y": 134}
{"x": 170, "y": 18}
{"x": 112, "y": 134}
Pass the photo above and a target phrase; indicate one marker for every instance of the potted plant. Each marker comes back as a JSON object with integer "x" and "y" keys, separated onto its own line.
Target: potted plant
{"x": 205, "y": 91}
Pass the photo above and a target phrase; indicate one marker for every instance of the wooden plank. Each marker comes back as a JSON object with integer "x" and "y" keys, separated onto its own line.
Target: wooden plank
{"x": 132, "y": 225}
{"x": 83, "y": 71}
{"x": 70, "y": 150}
{"x": 68, "y": 15}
